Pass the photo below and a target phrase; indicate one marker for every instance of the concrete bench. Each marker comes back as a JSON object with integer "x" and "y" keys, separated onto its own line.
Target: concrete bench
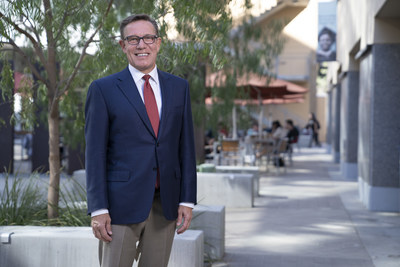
{"x": 80, "y": 177}
{"x": 243, "y": 169}
{"x": 38, "y": 246}
{"x": 211, "y": 220}
{"x": 188, "y": 249}
{"x": 232, "y": 190}
{"x": 206, "y": 167}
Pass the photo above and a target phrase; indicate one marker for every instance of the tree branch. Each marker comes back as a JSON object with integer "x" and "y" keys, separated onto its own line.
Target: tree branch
{"x": 32, "y": 28}
{"x": 36, "y": 45}
{"x": 83, "y": 53}
{"x": 61, "y": 26}
{"x": 27, "y": 60}
{"x": 67, "y": 13}
{"x": 48, "y": 22}
{"x": 6, "y": 49}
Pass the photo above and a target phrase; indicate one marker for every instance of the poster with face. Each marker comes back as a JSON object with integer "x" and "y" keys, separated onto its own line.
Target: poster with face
{"x": 326, "y": 50}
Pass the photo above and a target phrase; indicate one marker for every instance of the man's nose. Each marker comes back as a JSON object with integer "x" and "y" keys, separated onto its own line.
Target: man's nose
{"x": 141, "y": 44}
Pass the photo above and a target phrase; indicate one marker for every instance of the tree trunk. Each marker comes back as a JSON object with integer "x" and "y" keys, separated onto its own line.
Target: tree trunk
{"x": 54, "y": 163}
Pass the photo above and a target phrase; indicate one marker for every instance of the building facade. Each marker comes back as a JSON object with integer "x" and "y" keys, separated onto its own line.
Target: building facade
{"x": 297, "y": 62}
{"x": 364, "y": 97}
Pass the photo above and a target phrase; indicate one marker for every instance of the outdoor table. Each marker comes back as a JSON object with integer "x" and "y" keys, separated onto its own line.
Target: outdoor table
{"x": 263, "y": 147}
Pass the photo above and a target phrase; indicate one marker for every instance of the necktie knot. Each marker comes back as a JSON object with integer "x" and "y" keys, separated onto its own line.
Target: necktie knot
{"x": 146, "y": 77}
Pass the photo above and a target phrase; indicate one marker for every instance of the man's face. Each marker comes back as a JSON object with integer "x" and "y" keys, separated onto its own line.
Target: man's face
{"x": 141, "y": 56}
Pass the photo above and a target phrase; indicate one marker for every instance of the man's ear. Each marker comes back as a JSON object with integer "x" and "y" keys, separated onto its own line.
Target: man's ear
{"x": 158, "y": 43}
{"x": 122, "y": 44}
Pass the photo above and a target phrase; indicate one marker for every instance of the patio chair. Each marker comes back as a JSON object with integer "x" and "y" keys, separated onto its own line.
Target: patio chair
{"x": 230, "y": 151}
{"x": 264, "y": 150}
{"x": 290, "y": 149}
{"x": 249, "y": 153}
{"x": 279, "y": 154}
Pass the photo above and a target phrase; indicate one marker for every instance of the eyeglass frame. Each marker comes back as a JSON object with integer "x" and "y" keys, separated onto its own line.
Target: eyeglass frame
{"x": 142, "y": 38}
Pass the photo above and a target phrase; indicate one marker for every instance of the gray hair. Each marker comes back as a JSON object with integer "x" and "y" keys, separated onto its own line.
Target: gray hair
{"x": 134, "y": 18}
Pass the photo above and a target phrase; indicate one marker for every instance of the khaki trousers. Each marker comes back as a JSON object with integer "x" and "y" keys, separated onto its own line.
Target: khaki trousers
{"x": 149, "y": 242}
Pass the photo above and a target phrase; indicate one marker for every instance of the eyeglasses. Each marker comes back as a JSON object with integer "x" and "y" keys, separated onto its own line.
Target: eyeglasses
{"x": 135, "y": 40}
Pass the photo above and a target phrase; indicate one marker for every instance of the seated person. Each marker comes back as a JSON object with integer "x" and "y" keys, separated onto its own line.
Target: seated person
{"x": 253, "y": 130}
{"x": 208, "y": 144}
{"x": 222, "y": 131}
{"x": 278, "y": 132}
{"x": 293, "y": 133}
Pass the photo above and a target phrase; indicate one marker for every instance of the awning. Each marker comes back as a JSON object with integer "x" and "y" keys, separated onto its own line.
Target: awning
{"x": 257, "y": 86}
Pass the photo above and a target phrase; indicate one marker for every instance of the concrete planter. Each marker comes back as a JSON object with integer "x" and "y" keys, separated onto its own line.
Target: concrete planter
{"x": 36, "y": 246}
{"x": 211, "y": 220}
{"x": 243, "y": 169}
{"x": 232, "y": 190}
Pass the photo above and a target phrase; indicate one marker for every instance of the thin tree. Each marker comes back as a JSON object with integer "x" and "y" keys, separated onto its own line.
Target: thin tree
{"x": 49, "y": 28}
{"x": 61, "y": 31}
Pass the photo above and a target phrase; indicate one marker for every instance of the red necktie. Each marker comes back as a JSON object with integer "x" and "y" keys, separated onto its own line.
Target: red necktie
{"x": 152, "y": 112}
{"x": 151, "y": 104}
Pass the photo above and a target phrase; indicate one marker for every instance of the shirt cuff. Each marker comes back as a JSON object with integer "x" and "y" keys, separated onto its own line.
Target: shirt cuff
{"x": 187, "y": 204}
{"x": 104, "y": 211}
{"x": 99, "y": 212}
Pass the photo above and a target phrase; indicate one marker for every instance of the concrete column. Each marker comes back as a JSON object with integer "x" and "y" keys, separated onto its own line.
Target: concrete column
{"x": 329, "y": 123}
{"x": 349, "y": 125}
{"x": 336, "y": 123}
{"x": 379, "y": 128}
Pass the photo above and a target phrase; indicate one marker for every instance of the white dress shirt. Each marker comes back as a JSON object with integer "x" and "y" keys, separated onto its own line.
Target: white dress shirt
{"x": 154, "y": 82}
{"x": 155, "y": 85}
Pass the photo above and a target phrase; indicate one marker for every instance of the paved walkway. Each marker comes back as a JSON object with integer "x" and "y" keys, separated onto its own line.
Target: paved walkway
{"x": 310, "y": 217}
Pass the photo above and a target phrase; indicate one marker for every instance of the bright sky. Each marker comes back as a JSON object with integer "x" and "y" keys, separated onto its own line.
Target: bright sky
{"x": 259, "y": 7}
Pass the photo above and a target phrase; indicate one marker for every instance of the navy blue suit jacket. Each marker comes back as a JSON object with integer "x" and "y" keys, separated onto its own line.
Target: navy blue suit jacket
{"x": 123, "y": 153}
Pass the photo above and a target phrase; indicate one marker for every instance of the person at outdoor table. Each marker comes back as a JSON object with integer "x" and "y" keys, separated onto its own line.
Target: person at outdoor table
{"x": 208, "y": 143}
{"x": 253, "y": 130}
{"x": 222, "y": 131}
{"x": 278, "y": 132}
{"x": 293, "y": 133}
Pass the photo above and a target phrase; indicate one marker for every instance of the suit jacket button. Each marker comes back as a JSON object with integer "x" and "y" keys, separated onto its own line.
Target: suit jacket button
{"x": 154, "y": 168}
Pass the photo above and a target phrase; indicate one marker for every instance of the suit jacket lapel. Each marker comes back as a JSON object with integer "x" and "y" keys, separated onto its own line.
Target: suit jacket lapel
{"x": 128, "y": 87}
{"x": 165, "y": 93}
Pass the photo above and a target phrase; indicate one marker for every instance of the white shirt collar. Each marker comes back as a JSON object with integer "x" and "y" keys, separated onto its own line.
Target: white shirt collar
{"x": 154, "y": 82}
{"x": 137, "y": 75}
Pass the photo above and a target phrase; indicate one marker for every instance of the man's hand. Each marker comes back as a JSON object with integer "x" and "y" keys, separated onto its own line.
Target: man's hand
{"x": 184, "y": 213}
{"x": 101, "y": 226}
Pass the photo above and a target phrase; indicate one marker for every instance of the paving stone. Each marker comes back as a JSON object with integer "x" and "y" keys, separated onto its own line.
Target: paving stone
{"x": 310, "y": 217}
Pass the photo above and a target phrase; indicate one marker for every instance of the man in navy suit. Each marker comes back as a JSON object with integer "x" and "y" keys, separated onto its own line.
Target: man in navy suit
{"x": 140, "y": 159}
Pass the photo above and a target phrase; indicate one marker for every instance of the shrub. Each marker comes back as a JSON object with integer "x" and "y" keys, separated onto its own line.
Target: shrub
{"x": 22, "y": 202}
